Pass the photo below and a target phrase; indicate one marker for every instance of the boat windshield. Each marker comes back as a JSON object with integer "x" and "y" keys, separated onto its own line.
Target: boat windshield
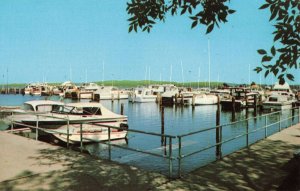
{"x": 77, "y": 110}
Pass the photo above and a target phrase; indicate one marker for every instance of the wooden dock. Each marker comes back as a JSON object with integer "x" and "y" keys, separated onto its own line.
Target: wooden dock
{"x": 27, "y": 164}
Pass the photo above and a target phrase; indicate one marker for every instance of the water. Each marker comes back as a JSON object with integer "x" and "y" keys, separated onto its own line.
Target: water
{"x": 177, "y": 121}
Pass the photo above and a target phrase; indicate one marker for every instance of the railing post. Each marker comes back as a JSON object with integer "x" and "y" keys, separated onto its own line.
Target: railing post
{"x": 12, "y": 121}
{"x": 280, "y": 121}
{"x": 179, "y": 157}
{"x": 299, "y": 114}
{"x": 220, "y": 141}
{"x": 37, "y": 128}
{"x": 109, "y": 146}
{"x": 266, "y": 130}
{"x": 68, "y": 134}
{"x": 170, "y": 158}
{"x": 81, "y": 145}
{"x": 247, "y": 133}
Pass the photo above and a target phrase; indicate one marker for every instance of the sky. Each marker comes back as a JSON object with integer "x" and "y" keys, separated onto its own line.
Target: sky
{"x": 88, "y": 40}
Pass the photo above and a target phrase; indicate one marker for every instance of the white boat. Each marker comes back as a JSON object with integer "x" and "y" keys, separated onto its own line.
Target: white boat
{"x": 30, "y": 108}
{"x": 142, "y": 94}
{"x": 278, "y": 102}
{"x": 281, "y": 97}
{"x": 87, "y": 91}
{"x": 205, "y": 99}
{"x": 75, "y": 113}
{"x": 111, "y": 93}
{"x": 168, "y": 97}
{"x": 90, "y": 133}
{"x": 69, "y": 88}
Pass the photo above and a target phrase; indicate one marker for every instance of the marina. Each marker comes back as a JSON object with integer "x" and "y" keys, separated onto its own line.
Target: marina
{"x": 149, "y": 95}
{"x": 159, "y": 138}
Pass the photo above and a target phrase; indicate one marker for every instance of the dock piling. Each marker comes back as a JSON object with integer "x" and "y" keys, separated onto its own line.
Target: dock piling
{"x": 122, "y": 108}
{"x": 162, "y": 125}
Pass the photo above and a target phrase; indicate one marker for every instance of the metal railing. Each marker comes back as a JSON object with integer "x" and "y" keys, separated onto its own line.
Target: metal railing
{"x": 170, "y": 156}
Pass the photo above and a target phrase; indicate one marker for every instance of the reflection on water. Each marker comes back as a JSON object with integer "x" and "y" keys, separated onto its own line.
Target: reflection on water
{"x": 177, "y": 121}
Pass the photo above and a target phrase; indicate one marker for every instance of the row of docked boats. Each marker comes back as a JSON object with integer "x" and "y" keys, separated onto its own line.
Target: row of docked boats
{"x": 68, "y": 122}
{"x": 279, "y": 97}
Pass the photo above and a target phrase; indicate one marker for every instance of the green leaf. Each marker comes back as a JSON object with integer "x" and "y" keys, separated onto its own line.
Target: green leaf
{"x": 266, "y": 58}
{"x": 230, "y": 11}
{"x": 264, "y": 6}
{"x": 273, "y": 50}
{"x": 210, "y": 28}
{"x": 267, "y": 73}
{"x": 130, "y": 28}
{"x": 194, "y": 23}
{"x": 290, "y": 77}
{"x": 258, "y": 69}
{"x": 262, "y": 51}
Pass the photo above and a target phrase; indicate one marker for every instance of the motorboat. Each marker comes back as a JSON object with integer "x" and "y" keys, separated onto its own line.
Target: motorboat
{"x": 87, "y": 91}
{"x": 168, "y": 97}
{"x": 89, "y": 132}
{"x": 73, "y": 113}
{"x": 278, "y": 102}
{"x": 111, "y": 93}
{"x": 69, "y": 89}
{"x": 63, "y": 117}
{"x": 142, "y": 94}
{"x": 239, "y": 94}
{"x": 281, "y": 97}
{"x": 29, "y": 110}
{"x": 205, "y": 99}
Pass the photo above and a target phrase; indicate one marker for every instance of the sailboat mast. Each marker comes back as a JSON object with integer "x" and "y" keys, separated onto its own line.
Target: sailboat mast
{"x": 208, "y": 64}
{"x": 102, "y": 72}
{"x": 171, "y": 73}
{"x": 198, "y": 76}
{"x": 182, "y": 73}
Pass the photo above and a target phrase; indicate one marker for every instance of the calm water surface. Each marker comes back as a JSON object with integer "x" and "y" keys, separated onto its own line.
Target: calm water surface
{"x": 177, "y": 121}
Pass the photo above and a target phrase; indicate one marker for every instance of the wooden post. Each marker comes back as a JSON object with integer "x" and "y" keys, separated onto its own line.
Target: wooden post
{"x": 218, "y": 132}
{"x": 170, "y": 158}
{"x": 182, "y": 99}
{"x": 112, "y": 97}
{"x": 122, "y": 108}
{"x": 162, "y": 125}
{"x": 193, "y": 100}
{"x": 176, "y": 99}
{"x": 233, "y": 109}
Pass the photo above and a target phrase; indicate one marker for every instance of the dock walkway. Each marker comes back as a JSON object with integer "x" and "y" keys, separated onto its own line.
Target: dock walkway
{"x": 27, "y": 164}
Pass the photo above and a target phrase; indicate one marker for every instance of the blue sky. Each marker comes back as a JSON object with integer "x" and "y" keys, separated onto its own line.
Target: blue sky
{"x": 59, "y": 40}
